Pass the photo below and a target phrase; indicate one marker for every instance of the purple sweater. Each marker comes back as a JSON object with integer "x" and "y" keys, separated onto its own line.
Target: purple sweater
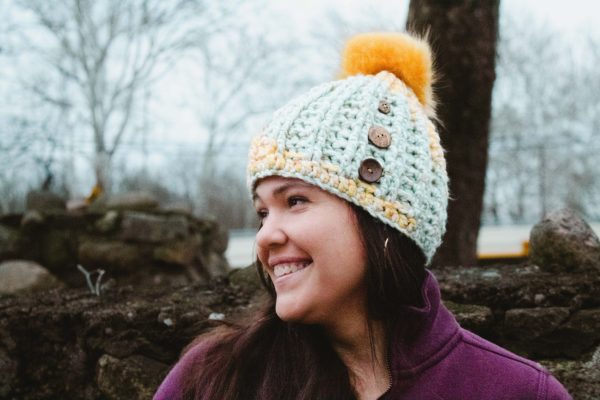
{"x": 445, "y": 362}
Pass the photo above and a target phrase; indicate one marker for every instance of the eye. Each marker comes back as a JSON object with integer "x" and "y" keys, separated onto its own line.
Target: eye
{"x": 296, "y": 200}
{"x": 262, "y": 214}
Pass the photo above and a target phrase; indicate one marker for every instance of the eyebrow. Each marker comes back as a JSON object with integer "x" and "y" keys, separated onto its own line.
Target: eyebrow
{"x": 283, "y": 188}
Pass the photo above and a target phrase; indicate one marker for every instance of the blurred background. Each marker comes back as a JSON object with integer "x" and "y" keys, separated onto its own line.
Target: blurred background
{"x": 163, "y": 97}
{"x": 124, "y": 129}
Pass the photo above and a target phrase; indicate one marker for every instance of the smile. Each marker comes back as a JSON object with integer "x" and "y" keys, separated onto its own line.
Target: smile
{"x": 288, "y": 268}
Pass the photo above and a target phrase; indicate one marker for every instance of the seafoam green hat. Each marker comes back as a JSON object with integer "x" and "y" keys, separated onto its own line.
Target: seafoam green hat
{"x": 367, "y": 138}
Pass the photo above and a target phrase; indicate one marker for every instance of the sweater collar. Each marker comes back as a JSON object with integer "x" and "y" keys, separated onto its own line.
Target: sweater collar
{"x": 438, "y": 333}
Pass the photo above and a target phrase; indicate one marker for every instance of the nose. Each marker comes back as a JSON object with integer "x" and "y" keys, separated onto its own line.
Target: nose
{"x": 271, "y": 234}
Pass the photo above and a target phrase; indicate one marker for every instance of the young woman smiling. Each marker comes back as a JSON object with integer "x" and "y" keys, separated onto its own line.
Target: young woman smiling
{"x": 350, "y": 186}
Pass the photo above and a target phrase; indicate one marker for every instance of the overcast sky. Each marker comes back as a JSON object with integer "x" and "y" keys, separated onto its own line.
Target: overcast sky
{"x": 573, "y": 17}
{"x": 294, "y": 17}
{"x": 565, "y": 15}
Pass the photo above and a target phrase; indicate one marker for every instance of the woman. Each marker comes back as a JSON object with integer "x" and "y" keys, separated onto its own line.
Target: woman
{"x": 350, "y": 186}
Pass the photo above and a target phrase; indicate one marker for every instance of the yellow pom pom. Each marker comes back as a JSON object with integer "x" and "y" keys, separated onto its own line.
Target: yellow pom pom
{"x": 405, "y": 56}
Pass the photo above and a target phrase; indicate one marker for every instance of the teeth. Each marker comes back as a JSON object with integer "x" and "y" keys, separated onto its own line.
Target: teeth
{"x": 285, "y": 269}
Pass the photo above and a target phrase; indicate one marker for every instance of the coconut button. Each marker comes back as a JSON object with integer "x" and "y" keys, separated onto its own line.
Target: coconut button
{"x": 380, "y": 137}
{"x": 384, "y": 107}
{"x": 370, "y": 170}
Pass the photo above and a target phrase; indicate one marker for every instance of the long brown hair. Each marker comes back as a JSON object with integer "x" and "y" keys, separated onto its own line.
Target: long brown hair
{"x": 273, "y": 359}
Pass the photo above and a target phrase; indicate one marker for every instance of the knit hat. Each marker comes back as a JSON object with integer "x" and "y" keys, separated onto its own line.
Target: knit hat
{"x": 367, "y": 138}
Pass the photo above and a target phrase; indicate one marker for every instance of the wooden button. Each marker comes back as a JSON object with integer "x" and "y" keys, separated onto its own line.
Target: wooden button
{"x": 380, "y": 137}
{"x": 370, "y": 170}
{"x": 384, "y": 107}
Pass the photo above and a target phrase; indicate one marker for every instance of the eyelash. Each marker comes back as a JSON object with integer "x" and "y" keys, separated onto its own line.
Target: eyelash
{"x": 291, "y": 201}
{"x": 262, "y": 214}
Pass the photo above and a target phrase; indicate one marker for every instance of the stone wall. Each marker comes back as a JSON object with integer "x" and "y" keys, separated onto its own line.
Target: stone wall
{"x": 67, "y": 343}
{"x": 537, "y": 313}
{"x": 132, "y": 246}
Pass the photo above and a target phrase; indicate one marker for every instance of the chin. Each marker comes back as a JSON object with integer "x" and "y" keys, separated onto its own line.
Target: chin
{"x": 287, "y": 315}
{"x": 284, "y": 316}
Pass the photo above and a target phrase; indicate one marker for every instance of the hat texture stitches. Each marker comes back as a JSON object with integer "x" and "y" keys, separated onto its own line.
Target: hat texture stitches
{"x": 322, "y": 137}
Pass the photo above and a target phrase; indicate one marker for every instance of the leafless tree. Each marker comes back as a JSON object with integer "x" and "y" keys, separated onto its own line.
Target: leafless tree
{"x": 242, "y": 76}
{"x": 104, "y": 53}
{"x": 31, "y": 155}
{"x": 544, "y": 125}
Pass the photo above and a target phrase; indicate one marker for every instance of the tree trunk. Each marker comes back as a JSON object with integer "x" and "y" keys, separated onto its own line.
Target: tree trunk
{"x": 103, "y": 171}
{"x": 463, "y": 34}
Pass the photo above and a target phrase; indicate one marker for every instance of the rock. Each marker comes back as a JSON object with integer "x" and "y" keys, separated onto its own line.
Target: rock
{"x": 77, "y": 204}
{"x": 70, "y": 329}
{"x": 32, "y": 219}
{"x": 58, "y": 249}
{"x": 129, "y": 245}
{"x": 219, "y": 240}
{"x": 214, "y": 264}
{"x": 580, "y": 333}
{"x": 41, "y": 200}
{"x": 112, "y": 255}
{"x": 139, "y": 227}
{"x": 246, "y": 279}
{"x": 9, "y": 243}
{"x": 8, "y": 373}
{"x": 8, "y": 366}
{"x": 182, "y": 253}
{"x": 178, "y": 207}
{"x": 582, "y": 379}
{"x": 97, "y": 204}
{"x": 519, "y": 286}
{"x": 135, "y": 377}
{"x": 472, "y": 317}
{"x": 20, "y": 276}
{"x": 129, "y": 327}
{"x": 539, "y": 299}
{"x": 490, "y": 274}
{"x": 594, "y": 362}
{"x": 108, "y": 223}
{"x": 564, "y": 242}
{"x": 135, "y": 201}
{"x": 530, "y": 323}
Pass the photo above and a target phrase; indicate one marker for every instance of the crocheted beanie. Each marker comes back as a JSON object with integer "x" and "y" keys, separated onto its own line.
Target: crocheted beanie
{"x": 367, "y": 138}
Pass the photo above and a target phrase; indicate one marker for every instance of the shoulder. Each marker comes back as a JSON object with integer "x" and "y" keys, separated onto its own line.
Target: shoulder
{"x": 171, "y": 387}
{"x": 500, "y": 368}
{"x": 486, "y": 350}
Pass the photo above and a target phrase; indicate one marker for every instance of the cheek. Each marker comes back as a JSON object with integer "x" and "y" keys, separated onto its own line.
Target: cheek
{"x": 261, "y": 254}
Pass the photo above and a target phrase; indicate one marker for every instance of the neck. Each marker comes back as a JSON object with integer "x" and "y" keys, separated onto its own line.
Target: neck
{"x": 365, "y": 355}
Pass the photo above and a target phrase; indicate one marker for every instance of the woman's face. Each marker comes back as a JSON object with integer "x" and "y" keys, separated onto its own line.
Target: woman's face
{"x": 310, "y": 246}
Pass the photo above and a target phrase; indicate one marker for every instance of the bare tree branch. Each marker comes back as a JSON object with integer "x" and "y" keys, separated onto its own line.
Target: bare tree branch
{"x": 105, "y": 52}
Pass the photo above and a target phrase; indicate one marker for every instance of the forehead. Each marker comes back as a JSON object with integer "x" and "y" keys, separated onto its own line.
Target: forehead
{"x": 273, "y": 185}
